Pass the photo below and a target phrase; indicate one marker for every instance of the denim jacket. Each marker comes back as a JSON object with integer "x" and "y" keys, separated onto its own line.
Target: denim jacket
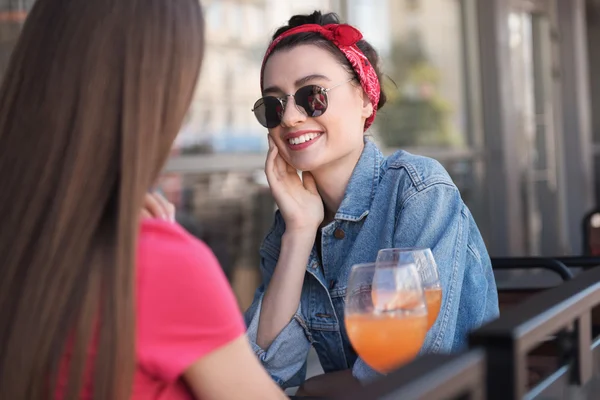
{"x": 402, "y": 201}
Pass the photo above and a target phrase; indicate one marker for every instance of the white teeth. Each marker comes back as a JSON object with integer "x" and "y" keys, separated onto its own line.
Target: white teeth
{"x": 304, "y": 138}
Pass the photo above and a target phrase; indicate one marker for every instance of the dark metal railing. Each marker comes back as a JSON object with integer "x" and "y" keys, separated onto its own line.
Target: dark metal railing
{"x": 564, "y": 310}
{"x": 521, "y": 263}
{"x": 585, "y": 262}
{"x": 430, "y": 377}
{"x": 555, "y": 264}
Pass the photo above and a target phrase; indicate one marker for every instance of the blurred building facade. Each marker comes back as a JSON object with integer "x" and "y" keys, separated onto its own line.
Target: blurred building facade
{"x": 500, "y": 91}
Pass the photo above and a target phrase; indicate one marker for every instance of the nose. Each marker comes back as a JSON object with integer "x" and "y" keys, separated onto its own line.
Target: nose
{"x": 292, "y": 113}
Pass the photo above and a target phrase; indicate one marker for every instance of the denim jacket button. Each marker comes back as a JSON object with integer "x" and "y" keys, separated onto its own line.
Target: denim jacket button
{"x": 339, "y": 233}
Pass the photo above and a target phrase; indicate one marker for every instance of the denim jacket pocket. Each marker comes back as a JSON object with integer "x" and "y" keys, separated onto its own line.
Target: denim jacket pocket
{"x": 338, "y": 292}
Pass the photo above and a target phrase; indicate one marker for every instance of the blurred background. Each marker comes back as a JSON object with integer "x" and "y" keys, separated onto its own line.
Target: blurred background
{"x": 501, "y": 92}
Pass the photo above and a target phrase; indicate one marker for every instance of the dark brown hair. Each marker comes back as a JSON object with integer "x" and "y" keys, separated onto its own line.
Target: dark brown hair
{"x": 318, "y": 40}
{"x": 93, "y": 97}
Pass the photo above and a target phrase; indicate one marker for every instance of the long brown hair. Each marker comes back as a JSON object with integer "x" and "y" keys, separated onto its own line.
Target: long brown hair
{"x": 93, "y": 97}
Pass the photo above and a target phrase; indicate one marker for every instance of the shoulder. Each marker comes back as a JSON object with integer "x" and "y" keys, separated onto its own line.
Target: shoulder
{"x": 178, "y": 277}
{"x": 419, "y": 170}
{"x": 185, "y": 307}
{"x": 407, "y": 177}
{"x": 168, "y": 253}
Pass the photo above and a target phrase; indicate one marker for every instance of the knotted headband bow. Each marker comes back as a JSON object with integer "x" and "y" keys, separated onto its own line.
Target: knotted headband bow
{"x": 345, "y": 38}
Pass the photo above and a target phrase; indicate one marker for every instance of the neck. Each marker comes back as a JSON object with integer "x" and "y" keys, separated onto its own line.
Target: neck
{"x": 332, "y": 180}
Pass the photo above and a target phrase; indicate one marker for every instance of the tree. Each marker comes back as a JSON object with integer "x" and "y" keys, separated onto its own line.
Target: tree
{"x": 416, "y": 114}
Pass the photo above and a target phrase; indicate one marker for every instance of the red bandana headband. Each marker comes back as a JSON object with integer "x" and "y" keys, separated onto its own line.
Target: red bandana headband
{"x": 345, "y": 38}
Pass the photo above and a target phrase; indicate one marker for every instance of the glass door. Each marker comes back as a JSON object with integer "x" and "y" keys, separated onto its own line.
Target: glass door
{"x": 535, "y": 88}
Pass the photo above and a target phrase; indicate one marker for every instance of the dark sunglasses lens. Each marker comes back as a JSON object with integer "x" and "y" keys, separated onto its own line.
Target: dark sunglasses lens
{"x": 268, "y": 111}
{"x": 313, "y": 99}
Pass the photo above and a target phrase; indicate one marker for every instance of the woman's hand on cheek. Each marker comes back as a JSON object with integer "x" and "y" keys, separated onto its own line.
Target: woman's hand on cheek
{"x": 298, "y": 199}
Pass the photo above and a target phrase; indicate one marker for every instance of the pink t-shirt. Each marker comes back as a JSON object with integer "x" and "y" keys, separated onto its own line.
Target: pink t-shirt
{"x": 185, "y": 310}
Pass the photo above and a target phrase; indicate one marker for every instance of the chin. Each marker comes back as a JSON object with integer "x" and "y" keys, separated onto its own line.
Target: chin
{"x": 303, "y": 163}
{"x": 308, "y": 167}
{"x": 310, "y": 164}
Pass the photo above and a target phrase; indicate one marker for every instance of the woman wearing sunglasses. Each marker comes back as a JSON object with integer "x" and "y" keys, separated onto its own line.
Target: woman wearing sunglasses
{"x": 350, "y": 202}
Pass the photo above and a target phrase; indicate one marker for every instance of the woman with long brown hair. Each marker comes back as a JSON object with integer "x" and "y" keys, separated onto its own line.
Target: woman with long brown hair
{"x": 92, "y": 100}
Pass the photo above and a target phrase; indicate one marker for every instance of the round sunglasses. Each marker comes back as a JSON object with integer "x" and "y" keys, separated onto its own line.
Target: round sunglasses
{"x": 311, "y": 100}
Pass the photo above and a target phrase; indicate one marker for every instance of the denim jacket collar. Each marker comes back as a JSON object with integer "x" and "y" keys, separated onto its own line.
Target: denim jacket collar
{"x": 362, "y": 185}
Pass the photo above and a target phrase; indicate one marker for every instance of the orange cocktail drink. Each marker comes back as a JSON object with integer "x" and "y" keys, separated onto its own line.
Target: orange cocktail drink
{"x": 388, "y": 340}
{"x": 433, "y": 298}
{"x": 385, "y": 314}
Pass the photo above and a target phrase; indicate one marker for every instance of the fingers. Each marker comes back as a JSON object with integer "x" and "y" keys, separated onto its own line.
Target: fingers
{"x": 280, "y": 174}
{"x": 145, "y": 214}
{"x": 152, "y": 207}
{"x": 270, "y": 162}
{"x": 290, "y": 169}
{"x": 156, "y": 206}
{"x": 309, "y": 183}
{"x": 273, "y": 151}
{"x": 276, "y": 167}
{"x": 279, "y": 166}
{"x": 167, "y": 206}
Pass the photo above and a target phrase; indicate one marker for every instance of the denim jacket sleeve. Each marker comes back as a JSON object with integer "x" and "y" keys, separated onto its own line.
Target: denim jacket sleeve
{"x": 434, "y": 216}
{"x": 285, "y": 359}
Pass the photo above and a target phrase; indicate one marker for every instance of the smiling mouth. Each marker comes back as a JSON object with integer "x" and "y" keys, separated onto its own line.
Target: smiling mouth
{"x": 304, "y": 138}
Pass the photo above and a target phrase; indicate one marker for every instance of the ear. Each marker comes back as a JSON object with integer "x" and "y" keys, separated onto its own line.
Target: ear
{"x": 367, "y": 106}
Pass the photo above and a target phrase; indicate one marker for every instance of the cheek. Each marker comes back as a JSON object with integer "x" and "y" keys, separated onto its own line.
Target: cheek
{"x": 348, "y": 105}
{"x": 275, "y": 134}
{"x": 345, "y": 114}
{"x": 280, "y": 143}
{"x": 276, "y": 137}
